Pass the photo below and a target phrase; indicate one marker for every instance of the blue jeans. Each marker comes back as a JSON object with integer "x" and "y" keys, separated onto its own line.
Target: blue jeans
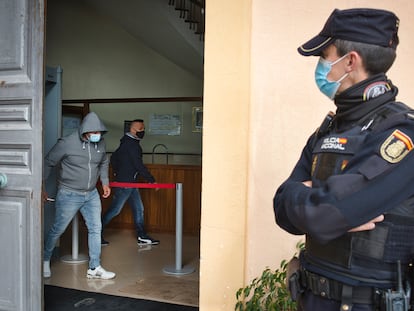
{"x": 122, "y": 195}
{"x": 67, "y": 204}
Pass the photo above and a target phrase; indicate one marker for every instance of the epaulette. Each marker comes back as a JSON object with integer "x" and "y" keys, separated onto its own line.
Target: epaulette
{"x": 385, "y": 116}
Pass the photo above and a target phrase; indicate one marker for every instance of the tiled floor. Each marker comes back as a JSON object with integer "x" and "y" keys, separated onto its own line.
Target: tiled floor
{"x": 139, "y": 269}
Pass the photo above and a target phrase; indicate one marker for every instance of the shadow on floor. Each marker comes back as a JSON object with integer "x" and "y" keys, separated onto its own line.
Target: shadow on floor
{"x": 65, "y": 299}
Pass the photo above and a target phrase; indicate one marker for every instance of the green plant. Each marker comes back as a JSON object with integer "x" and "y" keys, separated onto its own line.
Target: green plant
{"x": 267, "y": 292}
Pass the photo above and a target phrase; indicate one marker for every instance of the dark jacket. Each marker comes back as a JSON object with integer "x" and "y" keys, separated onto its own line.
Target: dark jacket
{"x": 79, "y": 161}
{"x": 127, "y": 162}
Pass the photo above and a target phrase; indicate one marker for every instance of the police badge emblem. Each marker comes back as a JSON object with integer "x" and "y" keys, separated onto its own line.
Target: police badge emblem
{"x": 396, "y": 147}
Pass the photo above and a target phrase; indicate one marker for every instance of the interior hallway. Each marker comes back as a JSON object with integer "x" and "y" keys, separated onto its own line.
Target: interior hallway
{"x": 139, "y": 269}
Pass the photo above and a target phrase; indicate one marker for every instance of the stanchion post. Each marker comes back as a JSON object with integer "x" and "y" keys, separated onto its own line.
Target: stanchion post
{"x": 179, "y": 227}
{"x": 178, "y": 269}
{"x": 75, "y": 257}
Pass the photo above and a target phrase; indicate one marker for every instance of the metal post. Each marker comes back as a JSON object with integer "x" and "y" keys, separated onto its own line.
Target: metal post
{"x": 75, "y": 257}
{"x": 178, "y": 268}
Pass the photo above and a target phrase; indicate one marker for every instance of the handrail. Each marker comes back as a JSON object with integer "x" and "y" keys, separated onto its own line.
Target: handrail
{"x": 193, "y": 11}
{"x": 131, "y": 100}
{"x": 160, "y": 145}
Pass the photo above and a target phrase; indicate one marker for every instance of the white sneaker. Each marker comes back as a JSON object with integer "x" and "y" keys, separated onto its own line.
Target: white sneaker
{"x": 99, "y": 273}
{"x": 46, "y": 269}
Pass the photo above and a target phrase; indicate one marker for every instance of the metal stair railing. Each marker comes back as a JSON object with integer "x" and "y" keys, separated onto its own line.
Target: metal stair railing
{"x": 193, "y": 13}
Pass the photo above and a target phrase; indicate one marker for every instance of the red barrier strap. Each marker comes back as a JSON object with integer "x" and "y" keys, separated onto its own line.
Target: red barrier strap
{"x": 140, "y": 185}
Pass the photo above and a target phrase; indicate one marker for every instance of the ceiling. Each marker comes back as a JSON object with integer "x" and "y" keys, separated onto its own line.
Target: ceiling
{"x": 158, "y": 25}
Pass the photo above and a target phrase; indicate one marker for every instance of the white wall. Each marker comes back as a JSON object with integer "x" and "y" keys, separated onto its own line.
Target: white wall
{"x": 101, "y": 60}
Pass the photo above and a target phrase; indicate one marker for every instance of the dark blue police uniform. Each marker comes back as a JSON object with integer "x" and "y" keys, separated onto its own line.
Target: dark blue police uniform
{"x": 361, "y": 165}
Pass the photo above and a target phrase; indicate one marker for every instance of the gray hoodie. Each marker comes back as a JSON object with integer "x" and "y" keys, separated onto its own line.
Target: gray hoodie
{"x": 79, "y": 161}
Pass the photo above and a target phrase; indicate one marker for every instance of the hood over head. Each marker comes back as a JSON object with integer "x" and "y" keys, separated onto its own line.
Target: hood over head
{"x": 92, "y": 123}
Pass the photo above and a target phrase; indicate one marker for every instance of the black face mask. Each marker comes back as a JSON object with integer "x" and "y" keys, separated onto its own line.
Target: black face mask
{"x": 140, "y": 135}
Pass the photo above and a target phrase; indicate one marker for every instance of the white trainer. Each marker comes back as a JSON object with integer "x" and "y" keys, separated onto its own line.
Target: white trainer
{"x": 46, "y": 269}
{"x": 99, "y": 273}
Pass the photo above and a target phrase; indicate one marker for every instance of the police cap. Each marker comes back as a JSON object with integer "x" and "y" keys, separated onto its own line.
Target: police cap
{"x": 372, "y": 26}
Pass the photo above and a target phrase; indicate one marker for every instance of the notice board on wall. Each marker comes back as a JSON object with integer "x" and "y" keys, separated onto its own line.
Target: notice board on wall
{"x": 164, "y": 124}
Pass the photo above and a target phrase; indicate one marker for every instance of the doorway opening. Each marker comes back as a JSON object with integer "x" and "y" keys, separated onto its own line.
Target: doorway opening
{"x": 143, "y": 59}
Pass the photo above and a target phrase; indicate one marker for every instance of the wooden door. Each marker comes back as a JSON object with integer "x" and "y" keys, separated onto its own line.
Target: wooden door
{"x": 21, "y": 115}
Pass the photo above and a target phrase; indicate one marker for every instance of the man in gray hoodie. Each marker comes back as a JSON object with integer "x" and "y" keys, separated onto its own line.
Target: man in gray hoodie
{"x": 80, "y": 159}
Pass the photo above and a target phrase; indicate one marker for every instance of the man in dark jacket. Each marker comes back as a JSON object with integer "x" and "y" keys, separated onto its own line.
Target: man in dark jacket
{"x": 127, "y": 165}
{"x": 81, "y": 159}
{"x": 351, "y": 191}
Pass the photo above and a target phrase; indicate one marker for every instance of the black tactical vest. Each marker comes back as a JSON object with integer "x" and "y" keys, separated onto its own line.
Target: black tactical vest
{"x": 367, "y": 257}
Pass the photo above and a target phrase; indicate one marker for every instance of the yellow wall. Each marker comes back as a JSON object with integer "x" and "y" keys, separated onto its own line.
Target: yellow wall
{"x": 225, "y": 142}
{"x": 260, "y": 105}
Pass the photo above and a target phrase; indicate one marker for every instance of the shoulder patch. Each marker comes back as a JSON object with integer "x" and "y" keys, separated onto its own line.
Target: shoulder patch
{"x": 396, "y": 147}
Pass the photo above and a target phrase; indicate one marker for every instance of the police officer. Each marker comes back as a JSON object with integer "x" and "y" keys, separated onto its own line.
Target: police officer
{"x": 351, "y": 192}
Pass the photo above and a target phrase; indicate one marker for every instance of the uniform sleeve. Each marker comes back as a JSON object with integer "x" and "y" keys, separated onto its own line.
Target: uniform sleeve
{"x": 293, "y": 208}
{"x": 344, "y": 201}
{"x": 302, "y": 169}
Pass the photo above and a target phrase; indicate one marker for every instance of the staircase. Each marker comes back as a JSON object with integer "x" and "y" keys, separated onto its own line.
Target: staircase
{"x": 193, "y": 13}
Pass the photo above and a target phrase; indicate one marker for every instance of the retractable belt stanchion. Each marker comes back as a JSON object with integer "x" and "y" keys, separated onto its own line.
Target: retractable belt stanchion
{"x": 178, "y": 269}
{"x": 75, "y": 257}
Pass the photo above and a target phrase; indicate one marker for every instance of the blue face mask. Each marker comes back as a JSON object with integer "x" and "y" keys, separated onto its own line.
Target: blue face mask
{"x": 94, "y": 138}
{"x": 329, "y": 88}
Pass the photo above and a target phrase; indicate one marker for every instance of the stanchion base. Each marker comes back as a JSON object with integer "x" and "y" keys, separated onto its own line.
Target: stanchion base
{"x": 69, "y": 259}
{"x": 174, "y": 271}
